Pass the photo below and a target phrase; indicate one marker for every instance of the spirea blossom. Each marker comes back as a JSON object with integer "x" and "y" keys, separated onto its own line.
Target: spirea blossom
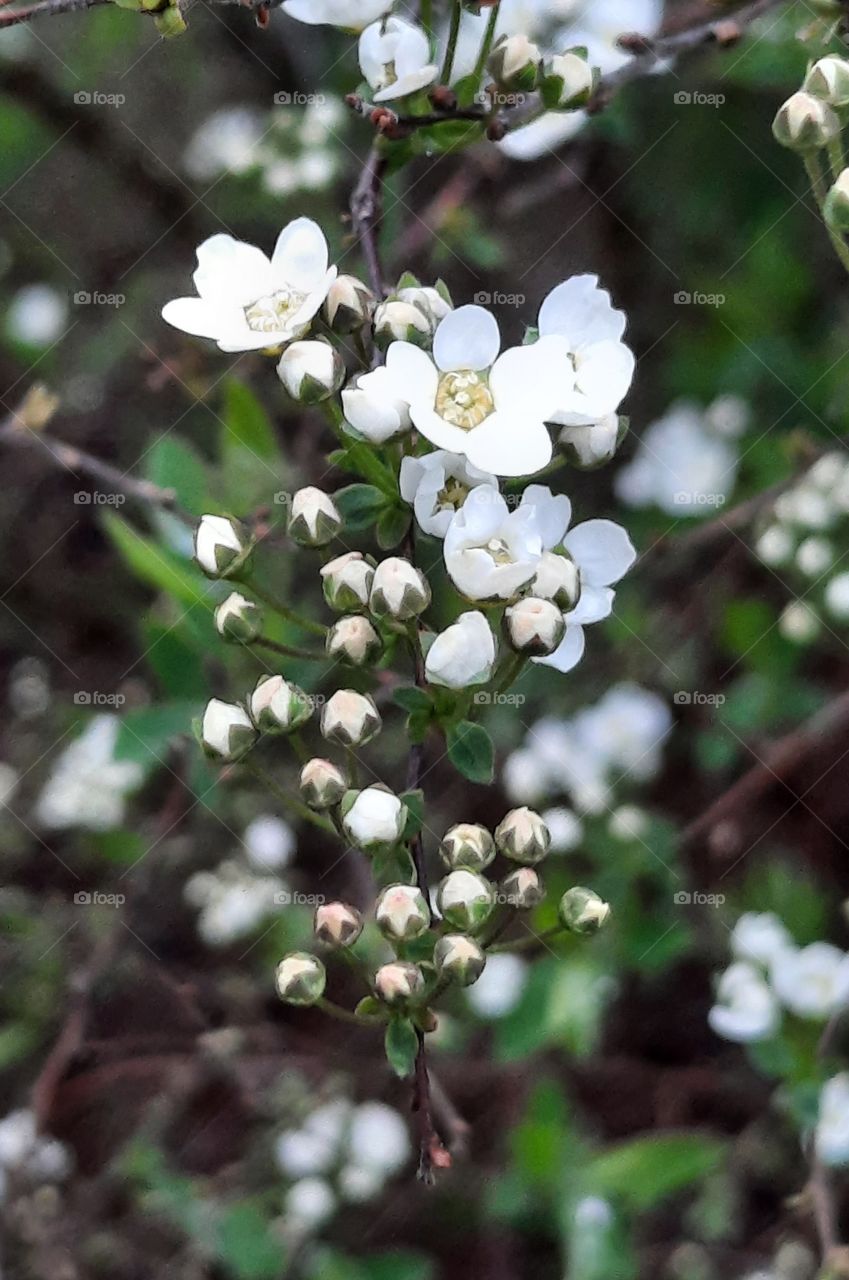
{"x": 395, "y": 59}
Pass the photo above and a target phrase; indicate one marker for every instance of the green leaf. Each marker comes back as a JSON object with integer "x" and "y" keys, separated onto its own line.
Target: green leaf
{"x": 145, "y": 735}
{"x": 157, "y": 566}
{"x": 471, "y": 751}
{"x": 392, "y": 527}
{"x": 402, "y": 1045}
{"x": 247, "y": 1248}
{"x": 247, "y": 423}
{"x": 370, "y": 1007}
{"x": 644, "y": 1171}
{"x": 414, "y": 800}
{"x": 360, "y": 505}
{"x": 361, "y": 460}
{"x": 173, "y": 464}
{"x": 412, "y": 698}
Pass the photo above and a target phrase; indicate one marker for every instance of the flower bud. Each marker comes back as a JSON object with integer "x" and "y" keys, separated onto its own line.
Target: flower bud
{"x": 534, "y": 626}
{"x": 458, "y": 959}
{"x": 222, "y": 546}
{"x": 300, "y": 978}
{"x": 582, "y": 911}
{"x": 432, "y": 302}
{"x": 399, "y": 589}
{"x": 396, "y": 321}
{"x": 522, "y": 888}
{"x": 514, "y": 63}
{"x": 805, "y": 122}
{"x": 372, "y": 408}
{"x": 463, "y": 654}
{"x": 226, "y": 731}
{"x": 465, "y": 899}
{"x": 398, "y": 983}
{"x": 566, "y": 81}
{"x": 346, "y": 582}
{"x": 276, "y": 706}
{"x": 402, "y": 913}
{"x": 322, "y": 784}
{"x": 522, "y": 836}
{"x": 337, "y": 925}
{"x": 467, "y": 845}
{"x": 314, "y": 518}
{"x": 828, "y": 79}
{"x": 350, "y": 718}
{"x": 353, "y": 639}
{"x": 373, "y": 819}
{"x": 557, "y": 579}
{"x": 589, "y": 447}
{"x": 238, "y": 619}
{"x": 349, "y": 305}
{"x": 836, "y": 206}
{"x": 311, "y": 371}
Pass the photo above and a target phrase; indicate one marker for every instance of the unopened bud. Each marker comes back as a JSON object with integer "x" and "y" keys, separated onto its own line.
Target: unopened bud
{"x": 322, "y": 783}
{"x": 588, "y": 447}
{"x": 314, "y": 518}
{"x": 311, "y": 371}
{"x": 465, "y": 899}
{"x": 583, "y": 911}
{"x": 514, "y": 63}
{"x": 534, "y": 626}
{"x": 277, "y": 706}
{"x": 523, "y": 837}
{"x": 399, "y": 983}
{"x": 459, "y": 959}
{"x": 350, "y": 718}
{"x": 337, "y": 925}
{"x": 805, "y": 122}
{"x": 523, "y": 889}
{"x": 300, "y": 978}
{"x": 353, "y": 639}
{"x": 557, "y": 579}
{"x": 402, "y": 913}
{"x": 828, "y": 79}
{"x": 566, "y": 81}
{"x": 346, "y": 582}
{"x": 836, "y": 206}
{"x": 373, "y": 819}
{"x": 399, "y": 589}
{"x": 226, "y": 731}
{"x": 238, "y": 619}
{"x": 467, "y": 845}
{"x": 349, "y": 305}
{"x": 433, "y": 301}
{"x": 396, "y": 321}
{"x": 222, "y": 546}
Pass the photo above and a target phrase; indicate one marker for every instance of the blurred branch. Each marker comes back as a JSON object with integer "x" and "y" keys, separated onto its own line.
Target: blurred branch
{"x": 366, "y": 210}
{"x": 52, "y": 8}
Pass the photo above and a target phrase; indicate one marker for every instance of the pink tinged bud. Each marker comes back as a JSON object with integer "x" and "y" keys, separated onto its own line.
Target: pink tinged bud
{"x": 337, "y": 925}
{"x": 279, "y": 707}
{"x": 353, "y": 639}
{"x": 534, "y": 626}
{"x": 300, "y": 978}
{"x": 522, "y": 889}
{"x": 323, "y": 784}
{"x": 350, "y": 718}
{"x": 399, "y": 983}
{"x": 523, "y": 837}
{"x": 402, "y": 913}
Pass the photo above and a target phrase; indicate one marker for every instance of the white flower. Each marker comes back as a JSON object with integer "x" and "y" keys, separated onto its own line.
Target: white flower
{"x": 311, "y": 371}
{"x": 837, "y": 596}
{"x": 24, "y": 1150}
{"x": 276, "y": 706}
{"x": 436, "y": 486}
{"x": 499, "y": 988}
{"x": 376, "y": 817}
{"x": 353, "y": 639}
{"x": 746, "y": 1009}
{"x": 232, "y": 901}
{"x": 88, "y": 787}
{"x": 491, "y": 552}
{"x": 227, "y": 142}
{"x": 581, "y": 313}
{"x": 760, "y": 938}
{"x": 463, "y": 654}
{"x": 227, "y": 731}
{"x": 246, "y": 302}
{"x": 373, "y": 409}
{"x": 832, "y": 1131}
{"x": 799, "y": 622}
{"x": 812, "y": 982}
{"x": 269, "y": 842}
{"x": 311, "y": 1201}
{"x": 469, "y": 400}
{"x": 628, "y": 822}
{"x": 395, "y": 58}
{"x": 591, "y": 444}
{"x": 567, "y": 80}
{"x": 353, "y": 15}
{"x": 775, "y": 545}
{"x": 238, "y": 619}
{"x": 681, "y": 465}
{"x": 815, "y": 556}
{"x": 433, "y": 303}
{"x": 378, "y": 1139}
{"x": 314, "y": 1147}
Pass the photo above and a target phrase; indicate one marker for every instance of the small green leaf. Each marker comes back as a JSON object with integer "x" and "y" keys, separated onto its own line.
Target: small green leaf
{"x": 412, "y": 698}
{"x": 360, "y": 505}
{"x": 392, "y": 527}
{"x": 644, "y": 1171}
{"x": 157, "y": 566}
{"x": 402, "y": 1045}
{"x": 471, "y": 751}
{"x": 247, "y": 423}
{"x": 414, "y": 800}
{"x": 370, "y": 1007}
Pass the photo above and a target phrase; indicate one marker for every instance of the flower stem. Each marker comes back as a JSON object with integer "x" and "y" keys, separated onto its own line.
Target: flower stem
{"x": 819, "y": 187}
{"x": 486, "y": 45}
{"x": 510, "y": 672}
{"x": 288, "y": 650}
{"x": 524, "y": 944}
{"x": 451, "y": 48}
{"x": 290, "y": 802}
{"x": 343, "y": 1015}
{"x": 289, "y": 615}
{"x": 836, "y": 156}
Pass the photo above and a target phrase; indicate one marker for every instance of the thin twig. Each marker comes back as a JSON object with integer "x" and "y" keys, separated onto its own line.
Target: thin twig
{"x": 366, "y": 209}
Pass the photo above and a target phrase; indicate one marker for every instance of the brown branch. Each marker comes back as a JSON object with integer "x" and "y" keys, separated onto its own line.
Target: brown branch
{"x": 432, "y": 1154}
{"x": 366, "y": 210}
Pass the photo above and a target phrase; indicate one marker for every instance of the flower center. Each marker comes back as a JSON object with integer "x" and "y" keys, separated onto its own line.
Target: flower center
{"x": 452, "y": 496}
{"x": 270, "y": 313}
{"x": 499, "y": 551}
{"x": 390, "y": 75}
{"x": 464, "y": 399}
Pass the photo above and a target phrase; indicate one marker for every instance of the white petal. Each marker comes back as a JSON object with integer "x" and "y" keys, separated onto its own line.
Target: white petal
{"x": 568, "y": 653}
{"x": 533, "y": 381}
{"x": 230, "y": 271}
{"x": 551, "y": 512}
{"x": 604, "y": 375}
{"x": 594, "y": 605}
{"x": 195, "y": 316}
{"x": 479, "y": 519}
{"x": 543, "y": 136}
{"x": 581, "y": 311}
{"x": 439, "y": 432}
{"x": 603, "y": 551}
{"x": 509, "y": 446}
{"x": 467, "y": 338}
{"x": 300, "y": 256}
{"x": 414, "y": 375}
{"x": 370, "y": 52}
{"x": 411, "y": 83}
{"x": 413, "y": 51}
